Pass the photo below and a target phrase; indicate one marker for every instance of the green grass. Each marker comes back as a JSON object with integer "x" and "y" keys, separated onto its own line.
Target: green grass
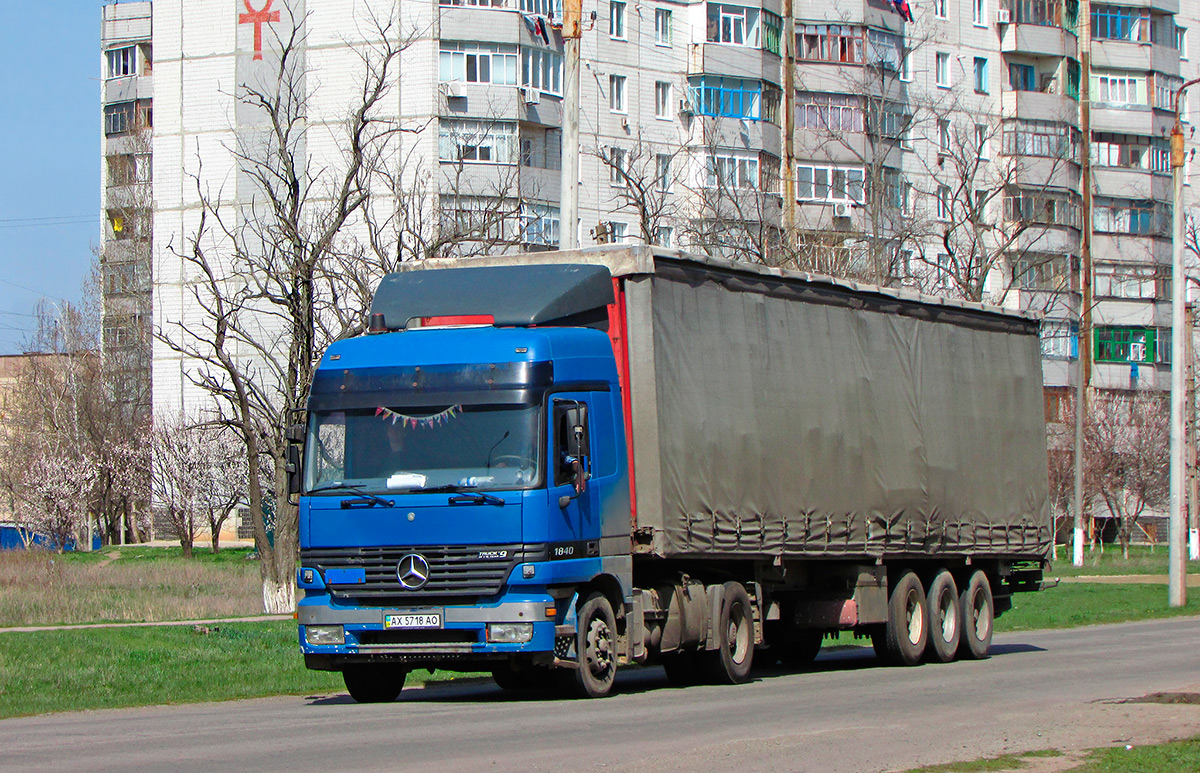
{"x": 1142, "y": 560}
{"x": 1157, "y": 758}
{"x": 51, "y": 671}
{"x": 1075, "y": 604}
{"x": 1004, "y": 762}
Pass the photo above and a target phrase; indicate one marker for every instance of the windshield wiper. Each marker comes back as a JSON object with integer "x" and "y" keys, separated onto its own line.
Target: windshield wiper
{"x": 465, "y": 494}
{"x": 357, "y": 488}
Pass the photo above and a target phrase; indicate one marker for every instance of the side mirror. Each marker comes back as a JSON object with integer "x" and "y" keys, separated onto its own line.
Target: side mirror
{"x": 294, "y": 469}
{"x": 295, "y": 433}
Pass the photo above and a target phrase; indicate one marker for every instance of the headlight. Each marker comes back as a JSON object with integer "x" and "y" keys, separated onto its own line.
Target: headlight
{"x": 509, "y": 633}
{"x": 324, "y": 634}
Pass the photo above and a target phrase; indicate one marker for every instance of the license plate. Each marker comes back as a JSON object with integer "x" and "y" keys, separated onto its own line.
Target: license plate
{"x": 413, "y": 620}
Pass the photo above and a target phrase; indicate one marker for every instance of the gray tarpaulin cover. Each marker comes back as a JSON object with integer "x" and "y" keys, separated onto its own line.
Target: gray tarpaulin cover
{"x": 807, "y": 421}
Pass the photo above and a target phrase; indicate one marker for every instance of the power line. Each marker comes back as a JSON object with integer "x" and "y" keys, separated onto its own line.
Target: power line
{"x": 35, "y": 292}
{"x": 93, "y": 216}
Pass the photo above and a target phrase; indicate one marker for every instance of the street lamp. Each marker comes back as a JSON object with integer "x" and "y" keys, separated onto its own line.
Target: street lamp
{"x": 1176, "y": 568}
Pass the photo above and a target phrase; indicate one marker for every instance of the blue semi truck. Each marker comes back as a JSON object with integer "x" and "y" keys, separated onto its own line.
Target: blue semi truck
{"x": 552, "y": 466}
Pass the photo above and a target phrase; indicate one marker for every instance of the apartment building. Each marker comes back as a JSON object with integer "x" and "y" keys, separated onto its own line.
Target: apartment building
{"x": 126, "y": 96}
{"x": 942, "y": 153}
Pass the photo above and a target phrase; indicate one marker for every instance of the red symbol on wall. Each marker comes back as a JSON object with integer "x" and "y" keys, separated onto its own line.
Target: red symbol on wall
{"x": 258, "y": 18}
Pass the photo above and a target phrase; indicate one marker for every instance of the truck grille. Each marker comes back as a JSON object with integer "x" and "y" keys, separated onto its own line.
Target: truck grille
{"x": 454, "y": 571}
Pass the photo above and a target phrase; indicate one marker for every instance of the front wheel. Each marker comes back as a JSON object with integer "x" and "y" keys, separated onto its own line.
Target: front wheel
{"x": 730, "y": 662}
{"x": 374, "y": 684}
{"x": 596, "y": 648}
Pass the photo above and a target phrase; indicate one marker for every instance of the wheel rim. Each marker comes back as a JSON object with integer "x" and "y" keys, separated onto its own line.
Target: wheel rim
{"x": 916, "y": 617}
{"x": 948, "y": 610}
{"x": 980, "y": 617}
{"x": 738, "y": 635}
{"x": 599, "y": 648}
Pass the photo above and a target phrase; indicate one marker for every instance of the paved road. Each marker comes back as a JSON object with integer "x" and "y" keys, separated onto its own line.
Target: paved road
{"x": 1039, "y": 690}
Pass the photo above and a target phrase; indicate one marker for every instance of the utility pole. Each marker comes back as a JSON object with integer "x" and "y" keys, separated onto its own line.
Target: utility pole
{"x": 1083, "y": 369}
{"x": 568, "y": 222}
{"x": 789, "y": 127}
{"x": 1190, "y": 424}
{"x": 1176, "y": 558}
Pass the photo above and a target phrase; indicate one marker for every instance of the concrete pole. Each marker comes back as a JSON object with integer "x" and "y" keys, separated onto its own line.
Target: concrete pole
{"x": 1193, "y": 498}
{"x": 1176, "y": 566}
{"x": 568, "y": 223}
{"x": 1083, "y": 367}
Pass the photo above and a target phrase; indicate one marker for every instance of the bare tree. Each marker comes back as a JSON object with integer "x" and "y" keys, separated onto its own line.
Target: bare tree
{"x": 1126, "y": 439}
{"x": 643, "y": 176}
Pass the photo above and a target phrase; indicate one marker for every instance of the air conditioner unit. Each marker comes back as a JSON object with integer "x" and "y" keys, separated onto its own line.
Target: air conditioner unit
{"x": 1004, "y": 16}
{"x": 843, "y": 209}
{"x": 531, "y": 95}
{"x": 453, "y": 90}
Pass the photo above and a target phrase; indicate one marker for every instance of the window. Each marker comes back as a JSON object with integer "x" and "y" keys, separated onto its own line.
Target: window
{"x": 1045, "y": 13}
{"x": 939, "y": 9}
{"x": 119, "y": 118}
{"x": 477, "y": 63}
{"x": 662, "y": 99}
{"x": 1165, "y": 87}
{"x": 122, "y": 61}
{"x": 477, "y": 141}
{"x": 1024, "y": 137}
{"x": 1022, "y": 77}
{"x": 541, "y": 69}
{"x": 617, "y": 159}
{"x": 729, "y": 97}
{"x": 821, "y": 182}
{"x": 1181, "y": 42}
{"x": 539, "y": 224}
{"x": 906, "y": 199}
{"x": 1118, "y": 91}
{"x": 1125, "y": 344}
{"x": 1041, "y": 207}
{"x": 1114, "y": 22}
{"x": 942, "y": 271}
{"x": 551, "y": 9}
{"x": 943, "y": 127}
{"x": 483, "y": 4}
{"x": 1131, "y": 151}
{"x": 1139, "y": 282}
{"x": 833, "y": 112}
{"x": 616, "y": 93}
{"x": 616, "y": 19}
{"x": 128, "y": 169}
{"x": 884, "y": 49}
{"x": 942, "y": 203}
{"x": 981, "y": 140}
{"x": 620, "y": 231}
{"x": 1060, "y": 340}
{"x": 1130, "y": 216}
{"x": 662, "y": 26}
{"x": 664, "y": 236}
{"x": 662, "y": 171}
{"x": 941, "y": 65}
{"x": 888, "y": 119}
{"x": 773, "y": 37}
{"x": 731, "y": 171}
{"x": 906, "y": 66}
{"x": 979, "y": 12}
{"x": 981, "y": 74}
{"x": 1041, "y": 271}
{"x": 772, "y": 98}
{"x": 129, "y": 224}
{"x": 733, "y": 24}
{"x": 830, "y": 43}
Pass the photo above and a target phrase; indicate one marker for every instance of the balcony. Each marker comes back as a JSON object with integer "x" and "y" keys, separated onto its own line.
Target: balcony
{"x": 734, "y": 62}
{"x": 1124, "y": 55}
{"x": 1040, "y": 105}
{"x": 1131, "y": 119}
{"x": 502, "y": 26}
{"x": 1132, "y": 183}
{"x": 1037, "y": 40}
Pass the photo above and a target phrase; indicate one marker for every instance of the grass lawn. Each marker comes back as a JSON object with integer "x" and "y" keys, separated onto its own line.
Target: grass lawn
{"x": 1171, "y": 757}
{"x": 1142, "y": 560}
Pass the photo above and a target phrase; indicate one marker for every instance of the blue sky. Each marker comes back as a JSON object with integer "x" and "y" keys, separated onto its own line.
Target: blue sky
{"x": 50, "y": 163}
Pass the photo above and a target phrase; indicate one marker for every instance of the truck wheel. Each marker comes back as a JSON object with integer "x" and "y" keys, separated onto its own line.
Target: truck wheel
{"x": 906, "y": 633}
{"x": 596, "y": 645}
{"x": 942, "y": 602}
{"x": 730, "y": 662}
{"x": 374, "y": 684}
{"x": 976, "y": 609}
{"x": 801, "y": 651}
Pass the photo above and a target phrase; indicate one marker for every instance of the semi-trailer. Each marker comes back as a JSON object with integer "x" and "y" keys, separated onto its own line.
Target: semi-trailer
{"x": 550, "y": 466}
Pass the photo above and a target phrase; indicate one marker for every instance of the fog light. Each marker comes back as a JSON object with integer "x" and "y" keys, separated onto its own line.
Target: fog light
{"x": 509, "y": 633}
{"x": 527, "y": 571}
{"x": 324, "y": 634}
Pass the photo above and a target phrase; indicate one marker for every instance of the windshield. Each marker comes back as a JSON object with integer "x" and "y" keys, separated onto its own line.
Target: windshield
{"x": 405, "y": 448}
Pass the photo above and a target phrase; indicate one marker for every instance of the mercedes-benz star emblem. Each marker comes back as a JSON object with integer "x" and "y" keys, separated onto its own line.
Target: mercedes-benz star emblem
{"x": 413, "y": 571}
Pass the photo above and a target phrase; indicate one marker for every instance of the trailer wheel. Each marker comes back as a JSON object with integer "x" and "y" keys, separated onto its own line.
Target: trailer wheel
{"x": 374, "y": 684}
{"x": 730, "y": 662}
{"x": 596, "y": 648}
{"x": 906, "y": 633}
{"x": 976, "y": 610}
{"x": 942, "y": 603}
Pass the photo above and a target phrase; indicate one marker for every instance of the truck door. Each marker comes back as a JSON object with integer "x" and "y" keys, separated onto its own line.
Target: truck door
{"x": 575, "y": 533}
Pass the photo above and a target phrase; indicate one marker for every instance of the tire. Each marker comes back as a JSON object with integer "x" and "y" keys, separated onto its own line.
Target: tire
{"x": 596, "y": 648}
{"x": 906, "y": 632}
{"x": 976, "y": 610}
{"x": 944, "y": 618}
{"x": 802, "y": 649}
{"x": 730, "y": 662}
{"x": 374, "y": 684}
